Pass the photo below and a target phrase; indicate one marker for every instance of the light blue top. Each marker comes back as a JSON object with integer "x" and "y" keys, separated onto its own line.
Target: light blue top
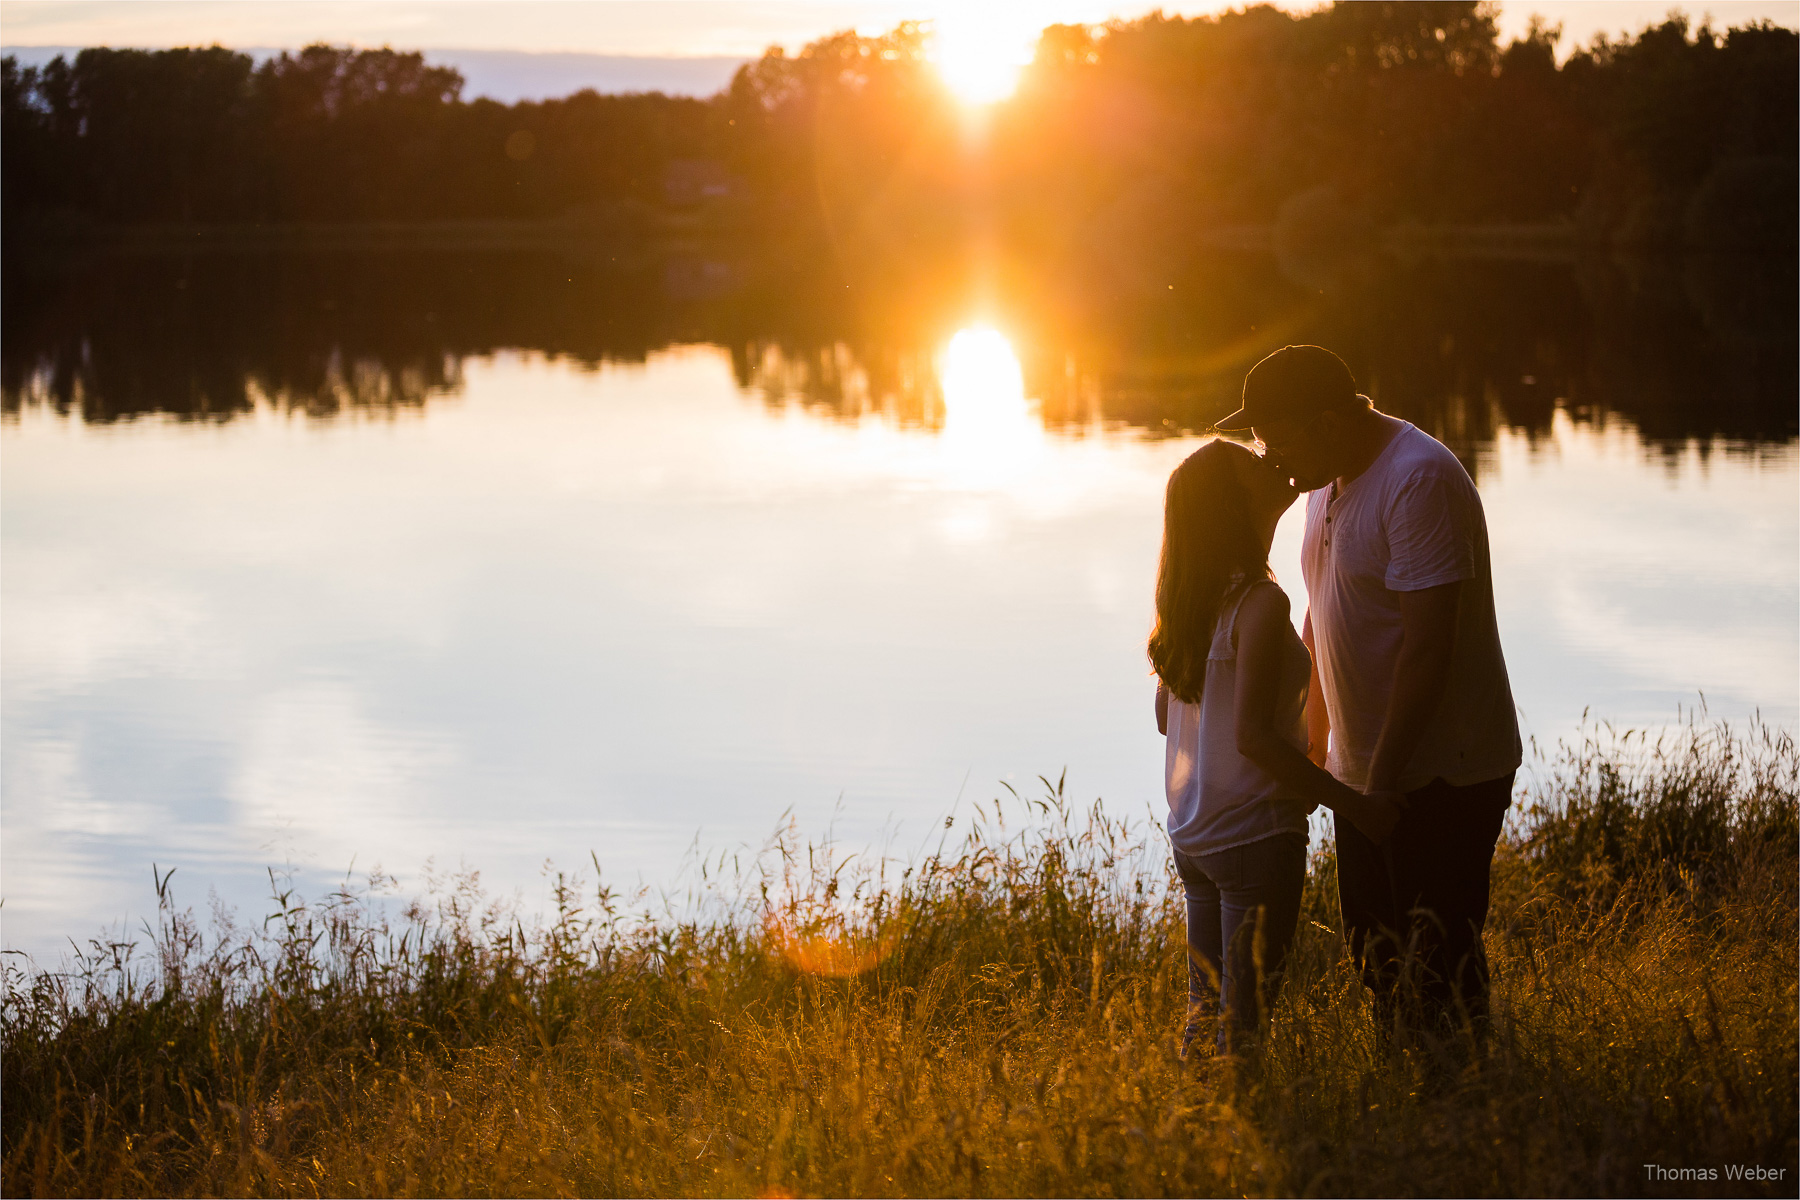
{"x": 1219, "y": 799}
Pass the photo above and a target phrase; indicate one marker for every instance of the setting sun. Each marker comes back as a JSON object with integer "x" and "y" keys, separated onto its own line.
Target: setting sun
{"x": 980, "y": 50}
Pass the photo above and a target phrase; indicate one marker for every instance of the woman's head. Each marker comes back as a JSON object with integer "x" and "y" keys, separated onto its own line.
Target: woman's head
{"x": 1219, "y": 515}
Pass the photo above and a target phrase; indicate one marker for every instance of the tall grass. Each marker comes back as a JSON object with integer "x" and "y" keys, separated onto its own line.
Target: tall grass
{"x": 1000, "y": 1016}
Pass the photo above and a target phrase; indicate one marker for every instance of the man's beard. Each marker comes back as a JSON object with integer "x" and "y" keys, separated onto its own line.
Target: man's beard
{"x": 1299, "y": 482}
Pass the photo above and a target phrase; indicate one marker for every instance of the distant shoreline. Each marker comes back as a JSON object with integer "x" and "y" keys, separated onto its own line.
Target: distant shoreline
{"x": 532, "y": 76}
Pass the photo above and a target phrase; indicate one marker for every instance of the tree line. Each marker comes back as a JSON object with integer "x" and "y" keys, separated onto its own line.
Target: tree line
{"x": 1123, "y": 139}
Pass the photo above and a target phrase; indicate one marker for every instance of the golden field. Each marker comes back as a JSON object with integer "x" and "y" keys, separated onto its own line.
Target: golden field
{"x": 998, "y": 1016}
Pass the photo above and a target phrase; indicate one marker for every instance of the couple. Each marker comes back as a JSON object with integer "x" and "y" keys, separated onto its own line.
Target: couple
{"x": 1404, "y": 681}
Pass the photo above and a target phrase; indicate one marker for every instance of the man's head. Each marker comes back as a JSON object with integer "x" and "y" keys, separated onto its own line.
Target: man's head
{"x": 1300, "y": 402}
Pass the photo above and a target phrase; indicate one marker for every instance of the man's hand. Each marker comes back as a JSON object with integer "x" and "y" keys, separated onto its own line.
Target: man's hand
{"x": 1378, "y": 815}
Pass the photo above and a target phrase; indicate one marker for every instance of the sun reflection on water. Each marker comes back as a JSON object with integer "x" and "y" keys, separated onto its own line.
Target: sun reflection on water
{"x": 990, "y": 427}
{"x": 984, "y": 387}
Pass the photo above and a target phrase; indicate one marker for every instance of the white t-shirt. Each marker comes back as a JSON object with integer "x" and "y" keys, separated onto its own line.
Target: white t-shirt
{"x": 1413, "y": 520}
{"x": 1218, "y": 799}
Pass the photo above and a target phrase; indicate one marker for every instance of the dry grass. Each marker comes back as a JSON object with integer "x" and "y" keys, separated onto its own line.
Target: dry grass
{"x": 997, "y": 1019}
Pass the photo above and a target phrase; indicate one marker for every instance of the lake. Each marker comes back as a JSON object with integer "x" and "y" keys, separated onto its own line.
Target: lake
{"x": 430, "y": 565}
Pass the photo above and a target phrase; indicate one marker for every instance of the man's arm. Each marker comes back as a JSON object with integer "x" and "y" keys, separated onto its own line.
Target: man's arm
{"x": 1421, "y": 673}
{"x": 1262, "y": 627}
{"x": 1318, "y": 718}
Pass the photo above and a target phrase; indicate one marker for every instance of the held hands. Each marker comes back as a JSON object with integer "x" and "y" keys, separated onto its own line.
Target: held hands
{"x": 1378, "y": 813}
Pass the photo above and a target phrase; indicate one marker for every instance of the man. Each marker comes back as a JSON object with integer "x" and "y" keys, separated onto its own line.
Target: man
{"x": 1406, "y": 654}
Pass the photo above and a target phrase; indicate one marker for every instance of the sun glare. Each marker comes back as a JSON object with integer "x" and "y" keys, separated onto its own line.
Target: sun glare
{"x": 990, "y": 431}
{"x": 981, "y": 48}
{"x": 982, "y": 380}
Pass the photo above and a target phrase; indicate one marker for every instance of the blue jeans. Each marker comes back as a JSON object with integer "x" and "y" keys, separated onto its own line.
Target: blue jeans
{"x": 1242, "y": 906}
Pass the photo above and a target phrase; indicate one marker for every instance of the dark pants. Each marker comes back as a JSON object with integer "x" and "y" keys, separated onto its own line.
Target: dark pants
{"x": 1414, "y": 908}
{"x": 1242, "y": 905}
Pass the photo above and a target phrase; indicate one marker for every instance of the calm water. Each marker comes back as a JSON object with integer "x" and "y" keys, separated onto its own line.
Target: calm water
{"x": 492, "y": 607}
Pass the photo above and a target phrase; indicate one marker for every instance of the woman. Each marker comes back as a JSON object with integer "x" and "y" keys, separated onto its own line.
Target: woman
{"x": 1231, "y": 700}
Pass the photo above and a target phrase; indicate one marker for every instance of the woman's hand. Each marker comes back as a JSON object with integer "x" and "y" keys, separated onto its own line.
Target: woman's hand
{"x": 1378, "y": 813}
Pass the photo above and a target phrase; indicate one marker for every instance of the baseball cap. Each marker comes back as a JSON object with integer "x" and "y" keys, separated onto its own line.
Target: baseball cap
{"x": 1295, "y": 381}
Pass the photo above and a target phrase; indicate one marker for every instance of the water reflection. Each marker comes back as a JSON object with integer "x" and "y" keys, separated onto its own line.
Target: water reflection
{"x": 844, "y": 382}
{"x": 1700, "y": 346}
{"x": 616, "y": 608}
{"x": 991, "y": 436}
{"x": 984, "y": 390}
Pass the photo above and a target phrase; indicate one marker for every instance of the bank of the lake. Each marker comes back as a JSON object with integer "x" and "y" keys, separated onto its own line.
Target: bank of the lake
{"x": 998, "y": 1017}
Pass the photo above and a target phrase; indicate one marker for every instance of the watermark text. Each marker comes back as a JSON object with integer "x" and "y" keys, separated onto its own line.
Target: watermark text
{"x": 1736, "y": 1172}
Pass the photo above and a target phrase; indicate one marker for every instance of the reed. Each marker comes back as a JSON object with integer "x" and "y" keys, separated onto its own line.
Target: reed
{"x": 998, "y": 1016}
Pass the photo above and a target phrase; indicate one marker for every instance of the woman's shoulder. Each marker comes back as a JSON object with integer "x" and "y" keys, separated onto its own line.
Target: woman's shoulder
{"x": 1262, "y": 606}
{"x": 1264, "y": 598}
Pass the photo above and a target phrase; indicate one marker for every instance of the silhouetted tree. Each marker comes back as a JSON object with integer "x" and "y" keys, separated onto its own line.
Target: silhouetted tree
{"x": 1124, "y": 144}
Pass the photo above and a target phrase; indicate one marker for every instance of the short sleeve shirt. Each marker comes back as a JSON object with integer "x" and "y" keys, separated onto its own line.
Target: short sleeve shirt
{"x": 1412, "y": 521}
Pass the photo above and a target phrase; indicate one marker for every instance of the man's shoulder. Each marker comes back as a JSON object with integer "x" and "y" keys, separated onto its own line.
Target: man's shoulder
{"x": 1418, "y": 457}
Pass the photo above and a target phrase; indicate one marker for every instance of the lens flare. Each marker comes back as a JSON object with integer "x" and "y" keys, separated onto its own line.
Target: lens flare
{"x": 830, "y": 950}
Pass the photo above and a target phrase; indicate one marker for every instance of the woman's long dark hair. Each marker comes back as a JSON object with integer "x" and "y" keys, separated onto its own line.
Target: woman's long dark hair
{"x": 1208, "y": 545}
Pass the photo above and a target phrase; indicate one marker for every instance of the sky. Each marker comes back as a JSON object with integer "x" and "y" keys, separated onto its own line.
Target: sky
{"x": 485, "y": 37}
